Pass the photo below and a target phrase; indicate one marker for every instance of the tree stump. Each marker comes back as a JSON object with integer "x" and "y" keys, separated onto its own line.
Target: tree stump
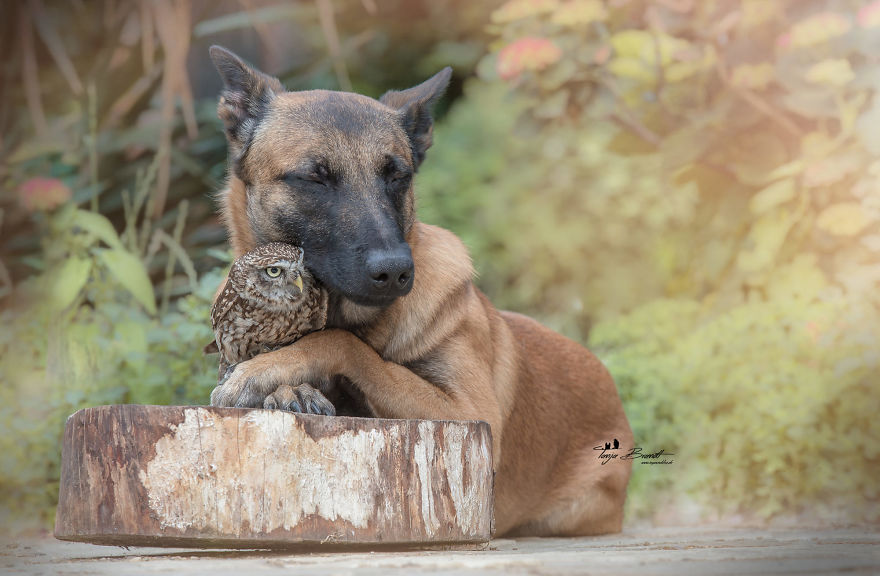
{"x": 204, "y": 477}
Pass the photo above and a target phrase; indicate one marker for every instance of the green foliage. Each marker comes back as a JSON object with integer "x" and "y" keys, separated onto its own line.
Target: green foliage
{"x": 693, "y": 190}
{"x": 86, "y": 331}
{"x": 769, "y": 406}
{"x": 80, "y": 336}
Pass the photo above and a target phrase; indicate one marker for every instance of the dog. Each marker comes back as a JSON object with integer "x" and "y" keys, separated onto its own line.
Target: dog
{"x": 333, "y": 172}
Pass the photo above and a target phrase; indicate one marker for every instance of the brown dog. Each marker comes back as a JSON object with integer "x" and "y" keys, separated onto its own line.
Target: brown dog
{"x": 332, "y": 172}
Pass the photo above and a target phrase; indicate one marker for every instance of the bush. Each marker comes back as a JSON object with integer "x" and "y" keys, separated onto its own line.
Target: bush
{"x": 85, "y": 332}
{"x": 693, "y": 190}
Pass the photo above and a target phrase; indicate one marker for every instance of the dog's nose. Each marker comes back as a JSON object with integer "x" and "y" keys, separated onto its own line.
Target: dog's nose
{"x": 390, "y": 271}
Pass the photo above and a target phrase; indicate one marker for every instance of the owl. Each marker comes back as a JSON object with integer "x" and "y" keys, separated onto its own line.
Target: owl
{"x": 269, "y": 300}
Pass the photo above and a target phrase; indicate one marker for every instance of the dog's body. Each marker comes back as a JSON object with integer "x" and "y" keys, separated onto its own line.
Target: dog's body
{"x": 406, "y": 326}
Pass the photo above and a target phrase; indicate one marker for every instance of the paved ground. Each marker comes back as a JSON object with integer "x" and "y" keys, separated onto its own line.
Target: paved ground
{"x": 646, "y": 552}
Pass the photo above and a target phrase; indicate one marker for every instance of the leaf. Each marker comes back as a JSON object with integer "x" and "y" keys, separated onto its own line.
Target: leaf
{"x": 753, "y": 76}
{"x": 802, "y": 278}
{"x": 772, "y": 196}
{"x": 827, "y": 171}
{"x": 833, "y": 72}
{"x": 632, "y": 68}
{"x": 843, "y": 219}
{"x": 765, "y": 238}
{"x": 250, "y": 18}
{"x": 130, "y": 273}
{"x": 819, "y": 28}
{"x": 678, "y": 71}
{"x": 35, "y": 148}
{"x": 514, "y": 10}
{"x": 631, "y": 43}
{"x": 68, "y": 281}
{"x": 98, "y": 225}
{"x": 579, "y": 13}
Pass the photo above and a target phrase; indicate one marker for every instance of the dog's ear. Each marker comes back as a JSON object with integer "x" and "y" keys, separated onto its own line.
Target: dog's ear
{"x": 246, "y": 95}
{"x": 416, "y": 105}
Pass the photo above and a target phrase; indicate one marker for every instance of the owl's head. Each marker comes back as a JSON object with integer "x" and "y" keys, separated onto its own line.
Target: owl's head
{"x": 272, "y": 276}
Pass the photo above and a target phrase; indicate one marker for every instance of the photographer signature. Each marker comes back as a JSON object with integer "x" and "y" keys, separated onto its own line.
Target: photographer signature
{"x": 609, "y": 452}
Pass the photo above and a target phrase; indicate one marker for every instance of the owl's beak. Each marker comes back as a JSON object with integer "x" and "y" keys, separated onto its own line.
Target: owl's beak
{"x": 298, "y": 282}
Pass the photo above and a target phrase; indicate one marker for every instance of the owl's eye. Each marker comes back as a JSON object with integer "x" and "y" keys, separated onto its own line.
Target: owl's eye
{"x": 273, "y": 271}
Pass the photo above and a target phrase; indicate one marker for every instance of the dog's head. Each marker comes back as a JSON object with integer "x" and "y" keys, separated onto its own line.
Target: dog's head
{"x": 331, "y": 172}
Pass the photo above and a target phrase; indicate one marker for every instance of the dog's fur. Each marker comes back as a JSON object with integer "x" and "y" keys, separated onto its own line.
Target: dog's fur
{"x": 331, "y": 171}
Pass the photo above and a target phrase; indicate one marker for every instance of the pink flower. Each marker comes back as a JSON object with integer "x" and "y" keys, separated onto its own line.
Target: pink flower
{"x": 869, "y": 15}
{"x": 784, "y": 40}
{"x": 43, "y": 194}
{"x": 532, "y": 54}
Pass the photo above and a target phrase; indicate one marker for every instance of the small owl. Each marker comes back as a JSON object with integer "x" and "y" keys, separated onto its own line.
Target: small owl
{"x": 269, "y": 300}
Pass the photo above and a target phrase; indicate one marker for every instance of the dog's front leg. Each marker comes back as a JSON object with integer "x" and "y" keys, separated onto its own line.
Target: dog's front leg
{"x": 392, "y": 390}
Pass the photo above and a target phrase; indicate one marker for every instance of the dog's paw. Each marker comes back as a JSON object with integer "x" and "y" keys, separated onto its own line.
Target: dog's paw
{"x": 247, "y": 384}
{"x": 303, "y": 398}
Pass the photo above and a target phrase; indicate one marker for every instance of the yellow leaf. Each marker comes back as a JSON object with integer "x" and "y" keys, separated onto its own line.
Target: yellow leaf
{"x": 772, "y": 196}
{"x": 830, "y": 170}
{"x": 834, "y": 72}
{"x": 631, "y": 43}
{"x": 632, "y": 68}
{"x": 843, "y": 219}
{"x": 757, "y": 12}
{"x": 687, "y": 67}
{"x": 753, "y": 76}
{"x": 129, "y": 271}
{"x": 579, "y": 12}
{"x": 520, "y": 9}
{"x": 765, "y": 240}
{"x": 69, "y": 280}
{"x": 802, "y": 278}
{"x": 819, "y": 28}
{"x": 98, "y": 225}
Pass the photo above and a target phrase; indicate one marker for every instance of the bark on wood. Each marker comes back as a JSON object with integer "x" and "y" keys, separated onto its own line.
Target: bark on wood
{"x": 241, "y": 478}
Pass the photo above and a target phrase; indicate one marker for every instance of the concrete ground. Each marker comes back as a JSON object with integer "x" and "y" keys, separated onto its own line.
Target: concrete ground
{"x": 646, "y": 552}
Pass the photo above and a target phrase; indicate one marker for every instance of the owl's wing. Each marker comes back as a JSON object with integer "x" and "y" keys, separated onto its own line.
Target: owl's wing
{"x": 319, "y": 303}
{"x": 222, "y": 305}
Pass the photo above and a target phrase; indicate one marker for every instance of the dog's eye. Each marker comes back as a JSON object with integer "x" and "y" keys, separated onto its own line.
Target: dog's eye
{"x": 321, "y": 174}
{"x": 395, "y": 171}
{"x": 396, "y": 176}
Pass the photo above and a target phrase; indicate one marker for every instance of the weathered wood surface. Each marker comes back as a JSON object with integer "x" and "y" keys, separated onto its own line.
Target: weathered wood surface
{"x": 239, "y": 478}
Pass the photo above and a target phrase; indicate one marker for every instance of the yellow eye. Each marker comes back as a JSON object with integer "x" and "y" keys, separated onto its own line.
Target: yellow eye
{"x": 273, "y": 271}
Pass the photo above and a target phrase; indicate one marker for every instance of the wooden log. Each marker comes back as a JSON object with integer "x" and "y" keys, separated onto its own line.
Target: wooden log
{"x": 187, "y": 476}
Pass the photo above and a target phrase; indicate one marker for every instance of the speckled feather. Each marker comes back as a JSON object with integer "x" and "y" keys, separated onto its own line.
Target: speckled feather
{"x": 255, "y": 313}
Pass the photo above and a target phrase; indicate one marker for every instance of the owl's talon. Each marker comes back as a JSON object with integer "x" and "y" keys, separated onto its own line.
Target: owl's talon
{"x": 303, "y": 399}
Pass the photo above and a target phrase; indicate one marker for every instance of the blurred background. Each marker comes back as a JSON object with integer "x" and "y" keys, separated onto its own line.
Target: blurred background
{"x": 690, "y": 188}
